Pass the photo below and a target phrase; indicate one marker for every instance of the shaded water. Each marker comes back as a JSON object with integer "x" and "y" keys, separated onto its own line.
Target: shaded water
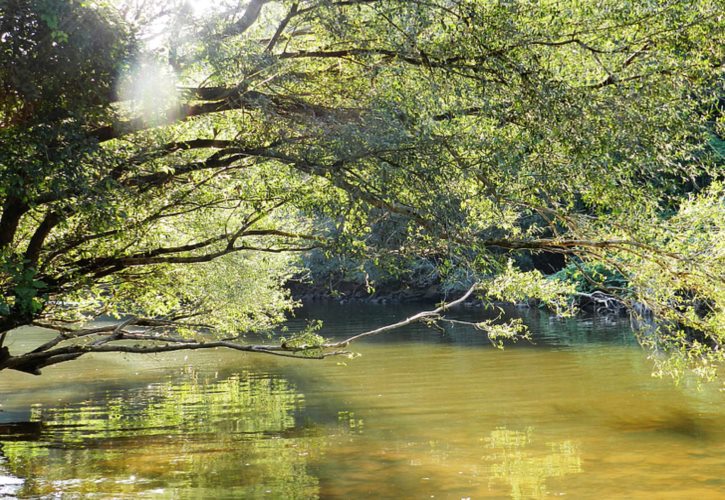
{"x": 420, "y": 414}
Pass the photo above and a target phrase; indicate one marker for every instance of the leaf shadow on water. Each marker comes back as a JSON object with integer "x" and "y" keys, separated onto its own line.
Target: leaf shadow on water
{"x": 674, "y": 423}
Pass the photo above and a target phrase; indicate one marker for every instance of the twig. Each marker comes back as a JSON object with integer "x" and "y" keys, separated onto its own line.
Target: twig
{"x": 421, "y": 316}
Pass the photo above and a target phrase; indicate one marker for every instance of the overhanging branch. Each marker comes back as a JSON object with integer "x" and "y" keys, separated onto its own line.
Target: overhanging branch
{"x": 106, "y": 340}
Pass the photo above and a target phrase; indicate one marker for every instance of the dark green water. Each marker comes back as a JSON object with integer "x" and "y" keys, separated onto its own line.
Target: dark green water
{"x": 419, "y": 415}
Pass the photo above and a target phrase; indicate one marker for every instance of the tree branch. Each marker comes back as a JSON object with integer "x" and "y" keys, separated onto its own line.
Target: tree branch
{"x": 13, "y": 210}
{"x": 281, "y": 27}
{"x": 421, "y": 316}
{"x": 48, "y": 354}
{"x": 51, "y": 219}
{"x": 224, "y": 99}
{"x": 251, "y": 14}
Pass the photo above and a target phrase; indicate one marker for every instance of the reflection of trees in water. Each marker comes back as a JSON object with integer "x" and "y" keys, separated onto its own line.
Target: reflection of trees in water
{"x": 236, "y": 435}
{"x": 527, "y": 471}
{"x": 9, "y": 485}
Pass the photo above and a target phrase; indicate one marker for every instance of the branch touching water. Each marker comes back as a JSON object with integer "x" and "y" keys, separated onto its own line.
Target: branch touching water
{"x": 158, "y": 336}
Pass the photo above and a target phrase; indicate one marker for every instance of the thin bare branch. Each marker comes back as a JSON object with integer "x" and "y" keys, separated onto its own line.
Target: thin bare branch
{"x": 421, "y": 316}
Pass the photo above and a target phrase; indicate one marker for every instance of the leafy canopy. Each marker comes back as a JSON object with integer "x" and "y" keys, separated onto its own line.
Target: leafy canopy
{"x": 457, "y": 131}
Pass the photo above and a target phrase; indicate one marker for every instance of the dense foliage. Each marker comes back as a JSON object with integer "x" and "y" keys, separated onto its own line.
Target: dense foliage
{"x": 458, "y": 131}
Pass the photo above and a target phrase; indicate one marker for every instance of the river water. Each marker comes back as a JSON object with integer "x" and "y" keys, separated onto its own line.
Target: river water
{"x": 421, "y": 414}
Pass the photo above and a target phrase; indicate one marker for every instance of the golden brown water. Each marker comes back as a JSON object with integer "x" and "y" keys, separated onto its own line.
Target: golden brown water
{"x": 419, "y": 415}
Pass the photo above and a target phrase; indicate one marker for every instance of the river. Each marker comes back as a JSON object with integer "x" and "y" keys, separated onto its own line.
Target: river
{"x": 420, "y": 414}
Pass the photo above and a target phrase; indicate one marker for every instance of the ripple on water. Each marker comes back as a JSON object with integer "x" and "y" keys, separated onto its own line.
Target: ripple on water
{"x": 575, "y": 413}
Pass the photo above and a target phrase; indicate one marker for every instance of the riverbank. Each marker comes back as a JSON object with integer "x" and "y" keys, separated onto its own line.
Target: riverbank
{"x": 348, "y": 291}
{"x": 352, "y": 292}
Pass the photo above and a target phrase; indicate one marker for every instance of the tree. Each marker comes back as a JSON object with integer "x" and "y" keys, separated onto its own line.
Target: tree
{"x": 300, "y": 125}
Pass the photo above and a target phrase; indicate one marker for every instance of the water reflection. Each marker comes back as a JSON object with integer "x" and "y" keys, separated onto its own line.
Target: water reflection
{"x": 234, "y": 435}
{"x": 525, "y": 471}
{"x": 420, "y": 414}
{"x": 10, "y": 485}
{"x": 548, "y": 330}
